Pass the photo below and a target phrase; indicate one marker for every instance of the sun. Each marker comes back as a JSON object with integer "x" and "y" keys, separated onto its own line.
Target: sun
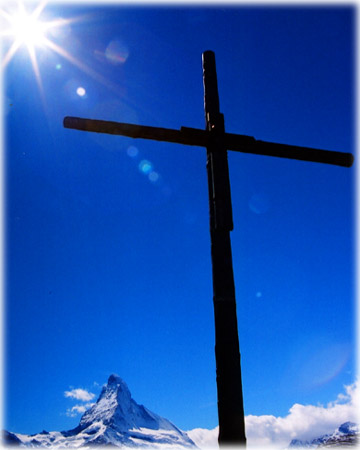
{"x": 27, "y": 29}
{"x": 23, "y": 28}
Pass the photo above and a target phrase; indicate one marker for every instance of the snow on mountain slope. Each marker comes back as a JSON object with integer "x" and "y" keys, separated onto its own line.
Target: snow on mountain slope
{"x": 115, "y": 419}
{"x": 347, "y": 434}
{"x": 117, "y": 409}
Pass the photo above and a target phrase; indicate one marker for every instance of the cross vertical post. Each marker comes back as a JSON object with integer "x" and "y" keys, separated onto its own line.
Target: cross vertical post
{"x": 227, "y": 354}
{"x": 217, "y": 142}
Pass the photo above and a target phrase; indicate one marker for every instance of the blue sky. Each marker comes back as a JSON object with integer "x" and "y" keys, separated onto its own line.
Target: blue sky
{"x": 107, "y": 261}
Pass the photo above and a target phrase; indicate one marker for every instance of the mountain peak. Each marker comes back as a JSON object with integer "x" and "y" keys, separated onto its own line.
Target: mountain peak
{"x": 116, "y": 410}
{"x": 115, "y": 379}
{"x": 115, "y": 419}
{"x": 348, "y": 428}
{"x": 113, "y": 405}
{"x": 118, "y": 385}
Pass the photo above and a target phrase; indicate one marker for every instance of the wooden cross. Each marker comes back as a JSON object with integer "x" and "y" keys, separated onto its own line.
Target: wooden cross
{"x": 217, "y": 142}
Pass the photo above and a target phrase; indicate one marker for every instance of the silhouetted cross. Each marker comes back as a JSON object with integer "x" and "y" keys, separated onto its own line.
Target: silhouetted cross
{"x": 217, "y": 142}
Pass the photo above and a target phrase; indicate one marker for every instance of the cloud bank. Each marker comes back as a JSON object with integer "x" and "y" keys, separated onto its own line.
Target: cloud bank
{"x": 80, "y": 394}
{"x": 303, "y": 422}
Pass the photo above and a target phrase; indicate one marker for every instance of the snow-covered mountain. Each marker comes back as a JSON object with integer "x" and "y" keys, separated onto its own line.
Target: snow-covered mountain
{"x": 346, "y": 435}
{"x": 115, "y": 419}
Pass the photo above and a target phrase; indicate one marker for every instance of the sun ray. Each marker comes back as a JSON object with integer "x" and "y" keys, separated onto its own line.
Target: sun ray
{"x": 39, "y": 9}
{"x": 11, "y": 52}
{"x": 6, "y": 16}
{"x": 36, "y": 70}
{"x": 82, "y": 66}
{"x": 73, "y": 60}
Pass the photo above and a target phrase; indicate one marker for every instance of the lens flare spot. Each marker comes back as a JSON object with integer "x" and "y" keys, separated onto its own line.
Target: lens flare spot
{"x": 117, "y": 52}
{"x": 80, "y": 91}
{"x": 132, "y": 151}
{"x": 153, "y": 176}
{"x": 145, "y": 166}
{"x": 58, "y": 66}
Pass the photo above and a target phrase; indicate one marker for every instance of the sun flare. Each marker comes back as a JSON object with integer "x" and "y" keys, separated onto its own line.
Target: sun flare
{"x": 23, "y": 28}
{"x": 27, "y": 29}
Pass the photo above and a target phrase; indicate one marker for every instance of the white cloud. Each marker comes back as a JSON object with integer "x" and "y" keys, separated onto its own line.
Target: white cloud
{"x": 303, "y": 422}
{"x": 204, "y": 438}
{"x": 80, "y": 394}
{"x": 78, "y": 409}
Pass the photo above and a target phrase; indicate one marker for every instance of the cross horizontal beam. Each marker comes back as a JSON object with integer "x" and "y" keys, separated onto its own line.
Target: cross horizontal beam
{"x": 201, "y": 138}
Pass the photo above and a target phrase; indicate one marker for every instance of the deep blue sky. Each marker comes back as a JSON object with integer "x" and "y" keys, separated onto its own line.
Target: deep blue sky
{"x": 109, "y": 271}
